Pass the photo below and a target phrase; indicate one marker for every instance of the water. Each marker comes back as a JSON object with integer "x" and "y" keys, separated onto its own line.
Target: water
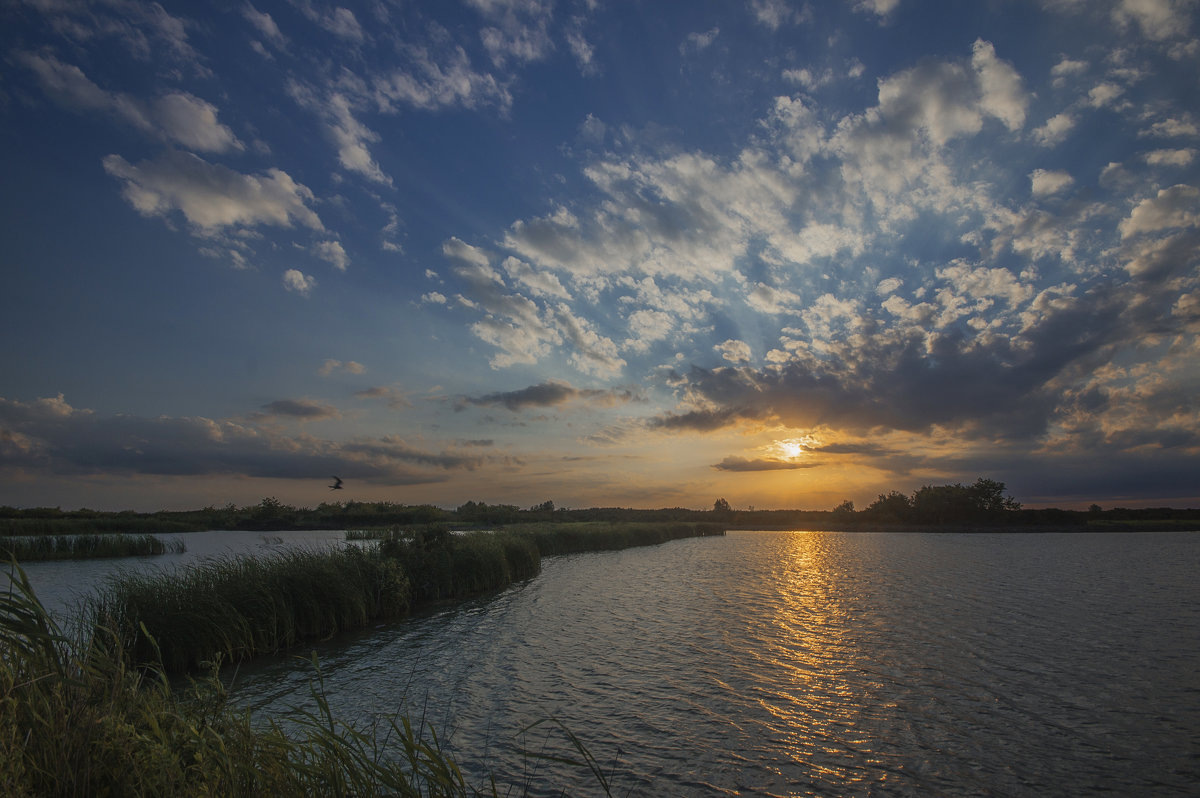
{"x": 803, "y": 663}
{"x": 806, "y": 664}
{"x": 62, "y": 585}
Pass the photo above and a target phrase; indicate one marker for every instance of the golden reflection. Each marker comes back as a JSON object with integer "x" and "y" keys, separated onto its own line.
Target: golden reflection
{"x": 813, "y": 658}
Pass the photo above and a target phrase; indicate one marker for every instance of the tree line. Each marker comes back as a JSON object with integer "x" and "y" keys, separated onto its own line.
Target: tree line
{"x": 983, "y": 502}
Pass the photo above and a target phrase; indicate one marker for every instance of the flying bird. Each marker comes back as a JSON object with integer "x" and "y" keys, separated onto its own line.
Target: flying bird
{"x": 337, "y": 485}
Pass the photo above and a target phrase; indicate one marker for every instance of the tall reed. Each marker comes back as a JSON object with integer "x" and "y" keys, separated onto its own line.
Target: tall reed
{"x": 242, "y": 607}
{"x": 77, "y": 720}
{"x": 572, "y": 538}
{"x": 81, "y": 547}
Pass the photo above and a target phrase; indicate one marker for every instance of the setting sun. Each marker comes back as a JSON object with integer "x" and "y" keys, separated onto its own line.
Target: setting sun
{"x": 793, "y": 448}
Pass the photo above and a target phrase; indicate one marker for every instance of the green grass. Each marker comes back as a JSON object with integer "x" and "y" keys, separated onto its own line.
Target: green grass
{"x": 570, "y": 538}
{"x": 241, "y": 607}
{"x": 81, "y": 547}
{"x": 77, "y": 718}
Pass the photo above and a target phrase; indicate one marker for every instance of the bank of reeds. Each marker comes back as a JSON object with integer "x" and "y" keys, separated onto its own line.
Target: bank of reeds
{"x": 555, "y": 538}
{"x": 241, "y": 607}
{"x": 81, "y": 547}
{"x": 77, "y": 718}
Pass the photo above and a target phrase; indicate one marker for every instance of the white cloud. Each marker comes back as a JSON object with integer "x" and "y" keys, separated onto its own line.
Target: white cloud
{"x": 1177, "y": 206}
{"x": 179, "y": 117}
{"x": 646, "y": 327}
{"x": 1104, "y": 94}
{"x": 1067, "y": 67}
{"x": 734, "y": 351}
{"x": 1178, "y": 158}
{"x": 351, "y": 138}
{"x": 1157, "y": 19}
{"x": 700, "y": 41}
{"x": 1046, "y": 182}
{"x": 265, "y": 25}
{"x": 297, "y": 281}
{"x": 879, "y": 7}
{"x": 210, "y": 196}
{"x": 334, "y": 253}
{"x": 347, "y": 367}
{"x": 772, "y": 13}
{"x": 538, "y": 282}
{"x": 439, "y": 81}
{"x": 1055, "y": 130}
{"x": 193, "y": 123}
{"x": 434, "y": 298}
{"x": 888, "y": 286}
{"x": 342, "y": 22}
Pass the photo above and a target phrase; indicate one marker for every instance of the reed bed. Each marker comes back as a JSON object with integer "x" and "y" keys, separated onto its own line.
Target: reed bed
{"x": 81, "y": 547}
{"x": 77, "y": 719}
{"x": 572, "y": 538}
{"x": 237, "y": 608}
{"x": 241, "y": 607}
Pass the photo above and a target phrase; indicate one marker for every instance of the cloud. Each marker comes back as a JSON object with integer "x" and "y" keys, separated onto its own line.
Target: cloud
{"x": 734, "y": 351}
{"x": 301, "y": 409}
{"x": 265, "y": 25}
{"x": 348, "y": 367}
{"x": 351, "y": 138}
{"x": 1177, "y": 206}
{"x": 551, "y": 393}
{"x": 433, "y": 80}
{"x": 741, "y": 464}
{"x": 49, "y": 437}
{"x": 1055, "y": 130}
{"x": 520, "y": 31}
{"x": 177, "y": 117}
{"x": 393, "y": 397}
{"x": 1177, "y": 158}
{"x": 298, "y": 282}
{"x": 212, "y": 197}
{"x": 333, "y": 253}
{"x": 1046, "y": 182}
{"x": 699, "y": 41}
{"x": 1157, "y": 19}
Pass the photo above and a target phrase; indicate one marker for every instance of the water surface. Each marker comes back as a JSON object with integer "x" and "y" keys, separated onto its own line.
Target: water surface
{"x": 807, "y": 663}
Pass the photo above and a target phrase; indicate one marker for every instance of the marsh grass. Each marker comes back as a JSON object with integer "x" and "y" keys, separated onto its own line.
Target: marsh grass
{"x": 571, "y": 538}
{"x": 78, "y": 719}
{"x": 241, "y": 607}
{"x": 81, "y": 547}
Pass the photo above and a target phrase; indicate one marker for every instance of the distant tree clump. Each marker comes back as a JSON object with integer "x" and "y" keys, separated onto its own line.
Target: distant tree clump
{"x": 940, "y": 504}
{"x": 720, "y": 506}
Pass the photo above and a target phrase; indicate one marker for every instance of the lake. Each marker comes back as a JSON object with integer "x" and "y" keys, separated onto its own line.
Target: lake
{"x": 803, "y": 663}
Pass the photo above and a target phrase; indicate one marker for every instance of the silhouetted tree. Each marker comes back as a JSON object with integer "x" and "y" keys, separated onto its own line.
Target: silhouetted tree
{"x": 720, "y": 506}
{"x": 892, "y": 507}
{"x": 844, "y": 510}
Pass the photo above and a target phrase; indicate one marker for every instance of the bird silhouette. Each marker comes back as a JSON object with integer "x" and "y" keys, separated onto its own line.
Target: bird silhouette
{"x": 336, "y": 485}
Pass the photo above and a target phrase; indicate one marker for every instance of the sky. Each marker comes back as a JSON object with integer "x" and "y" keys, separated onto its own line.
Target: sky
{"x": 598, "y": 252}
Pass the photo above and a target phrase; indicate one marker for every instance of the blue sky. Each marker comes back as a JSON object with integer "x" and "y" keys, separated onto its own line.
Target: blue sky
{"x": 604, "y": 253}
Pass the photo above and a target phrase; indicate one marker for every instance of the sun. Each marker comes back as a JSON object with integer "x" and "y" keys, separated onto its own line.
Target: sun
{"x": 792, "y": 448}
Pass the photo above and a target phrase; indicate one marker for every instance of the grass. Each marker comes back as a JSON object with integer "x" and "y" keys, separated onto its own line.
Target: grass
{"x": 77, "y": 718}
{"x": 80, "y": 547}
{"x": 236, "y": 608}
{"x": 555, "y": 538}
{"x": 97, "y": 714}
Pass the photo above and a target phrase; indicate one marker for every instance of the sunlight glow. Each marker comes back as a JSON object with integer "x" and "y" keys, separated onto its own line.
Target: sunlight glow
{"x": 793, "y": 448}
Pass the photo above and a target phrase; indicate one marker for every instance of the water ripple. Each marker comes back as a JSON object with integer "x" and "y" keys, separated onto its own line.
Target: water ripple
{"x": 809, "y": 664}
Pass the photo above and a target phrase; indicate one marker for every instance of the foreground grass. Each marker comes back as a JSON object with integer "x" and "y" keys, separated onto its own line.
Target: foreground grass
{"x": 78, "y": 719}
{"x": 82, "y": 547}
{"x": 238, "y": 608}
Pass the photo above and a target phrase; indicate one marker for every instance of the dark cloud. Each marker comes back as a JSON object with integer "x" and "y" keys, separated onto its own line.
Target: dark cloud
{"x": 303, "y": 409}
{"x": 742, "y": 464}
{"x": 551, "y": 393}
{"x": 49, "y": 436}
